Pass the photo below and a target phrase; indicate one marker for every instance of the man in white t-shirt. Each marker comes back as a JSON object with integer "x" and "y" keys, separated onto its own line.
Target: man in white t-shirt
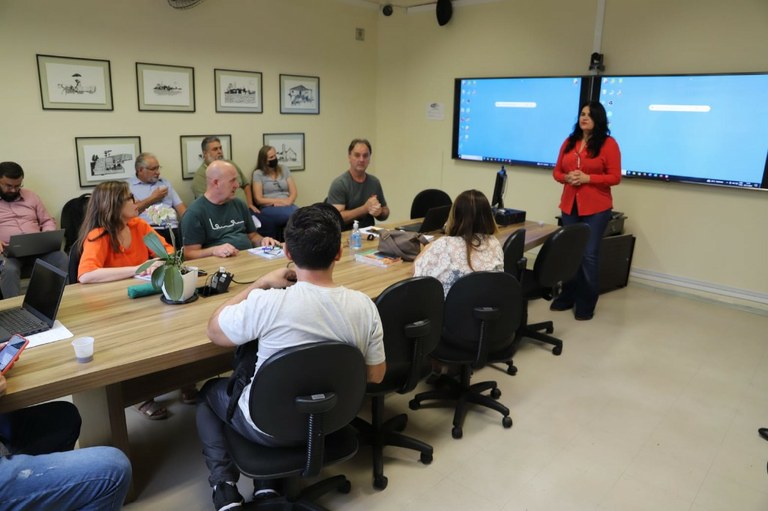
{"x": 285, "y": 308}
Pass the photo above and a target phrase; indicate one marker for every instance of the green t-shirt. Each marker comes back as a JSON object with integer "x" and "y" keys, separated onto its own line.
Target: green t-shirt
{"x": 210, "y": 225}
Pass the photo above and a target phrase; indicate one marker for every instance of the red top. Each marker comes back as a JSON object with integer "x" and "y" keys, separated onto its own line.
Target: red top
{"x": 604, "y": 171}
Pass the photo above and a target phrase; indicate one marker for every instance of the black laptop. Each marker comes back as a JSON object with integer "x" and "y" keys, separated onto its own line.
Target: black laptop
{"x": 434, "y": 220}
{"x": 34, "y": 243}
{"x": 41, "y": 303}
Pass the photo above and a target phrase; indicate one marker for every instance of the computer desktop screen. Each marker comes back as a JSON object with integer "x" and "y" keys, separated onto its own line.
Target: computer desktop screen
{"x": 516, "y": 120}
{"x": 499, "y": 188}
{"x": 705, "y": 129}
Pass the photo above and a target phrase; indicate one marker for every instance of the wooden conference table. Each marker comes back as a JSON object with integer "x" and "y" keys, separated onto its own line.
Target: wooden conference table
{"x": 144, "y": 347}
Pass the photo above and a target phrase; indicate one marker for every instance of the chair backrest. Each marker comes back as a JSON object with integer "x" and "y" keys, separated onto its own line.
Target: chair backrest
{"x": 428, "y": 199}
{"x": 412, "y": 318}
{"x": 72, "y": 215}
{"x": 514, "y": 248}
{"x": 74, "y": 264}
{"x": 560, "y": 255}
{"x": 305, "y": 378}
{"x": 482, "y": 313}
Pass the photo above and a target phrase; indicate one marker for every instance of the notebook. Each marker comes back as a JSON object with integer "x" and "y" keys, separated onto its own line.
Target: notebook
{"x": 41, "y": 303}
{"x": 34, "y": 243}
{"x": 434, "y": 220}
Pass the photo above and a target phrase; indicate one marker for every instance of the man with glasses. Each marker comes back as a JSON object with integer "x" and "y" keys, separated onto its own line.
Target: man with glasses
{"x": 149, "y": 189}
{"x": 21, "y": 211}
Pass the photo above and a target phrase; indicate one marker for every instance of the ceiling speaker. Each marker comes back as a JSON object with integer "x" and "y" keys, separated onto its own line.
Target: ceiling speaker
{"x": 444, "y": 11}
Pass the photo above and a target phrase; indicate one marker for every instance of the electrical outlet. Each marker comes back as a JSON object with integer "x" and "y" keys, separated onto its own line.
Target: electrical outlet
{"x": 360, "y": 34}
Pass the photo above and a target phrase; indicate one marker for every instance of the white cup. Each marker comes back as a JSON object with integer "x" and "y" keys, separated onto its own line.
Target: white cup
{"x": 83, "y": 349}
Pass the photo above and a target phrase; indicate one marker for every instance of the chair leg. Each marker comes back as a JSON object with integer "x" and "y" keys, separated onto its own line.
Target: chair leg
{"x": 532, "y": 331}
{"x": 308, "y": 495}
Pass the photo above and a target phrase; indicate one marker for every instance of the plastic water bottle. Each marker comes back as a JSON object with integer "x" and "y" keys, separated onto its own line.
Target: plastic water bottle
{"x": 355, "y": 239}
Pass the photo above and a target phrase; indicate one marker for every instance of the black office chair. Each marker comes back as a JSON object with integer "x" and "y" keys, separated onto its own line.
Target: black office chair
{"x": 72, "y": 215}
{"x": 411, "y": 316}
{"x": 304, "y": 396}
{"x": 482, "y": 313}
{"x": 428, "y": 199}
{"x": 514, "y": 263}
{"x": 557, "y": 262}
{"x": 74, "y": 262}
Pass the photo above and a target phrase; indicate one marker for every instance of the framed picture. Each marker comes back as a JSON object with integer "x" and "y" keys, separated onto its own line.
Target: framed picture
{"x": 192, "y": 152}
{"x": 68, "y": 83}
{"x": 165, "y": 88}
{"x": 289, "y": 147}
{"x": 238, "y": 91}
{"x": 299, "y": 94}
{"x": 106, "y": 158}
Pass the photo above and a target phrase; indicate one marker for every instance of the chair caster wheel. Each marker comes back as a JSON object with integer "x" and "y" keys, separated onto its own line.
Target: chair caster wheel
{"x": 401, "y": 423}
{"x": 495, "y": 393}
{"x": 507, "y": 422}
{"x": 511, "y": 370}
{"x": 346, "y": 487}
{"x": 426, "y": 458}
{"x": 380, "y": 482}
{"x": 456, "y": 432}
{"x": 413, "y": 404}
{"x": 550, "y": 329}
{"x": 557, "y": 350}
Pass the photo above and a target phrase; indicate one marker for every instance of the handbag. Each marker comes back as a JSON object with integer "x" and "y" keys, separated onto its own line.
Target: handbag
{"x": 402, "y": 244}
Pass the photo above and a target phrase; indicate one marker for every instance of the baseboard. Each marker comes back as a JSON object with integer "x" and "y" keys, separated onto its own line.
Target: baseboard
{"x": 749, "y": 301}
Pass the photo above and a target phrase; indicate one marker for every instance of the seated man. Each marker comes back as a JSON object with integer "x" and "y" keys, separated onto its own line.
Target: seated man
{"x": 212, "y": 151}
{"x": 148, "y": 188}
{"x": 357, "y": 194}
{"x": 217, "y": 223}
{"x": 21, "y": 211}
{"x": 313, "y": 309}
{"x": 39, "y": 470}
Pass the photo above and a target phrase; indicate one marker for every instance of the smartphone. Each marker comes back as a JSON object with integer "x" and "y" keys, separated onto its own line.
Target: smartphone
{"x": 11, "y": 351}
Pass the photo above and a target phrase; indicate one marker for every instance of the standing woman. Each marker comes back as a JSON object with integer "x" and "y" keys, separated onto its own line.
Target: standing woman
{"x": 588, "y": 165}
{"x": 274, "y": 193}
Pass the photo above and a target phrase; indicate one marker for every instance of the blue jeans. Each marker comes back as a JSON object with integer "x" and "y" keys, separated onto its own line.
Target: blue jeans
{"x": 10, "y": 278}
{"x": 273, "y": 220}
{"x": 583, "y": 290}
{"x": 95, "y": 478}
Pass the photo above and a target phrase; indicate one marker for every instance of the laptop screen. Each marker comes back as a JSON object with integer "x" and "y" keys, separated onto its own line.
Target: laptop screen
{"x": 46, "y": 286}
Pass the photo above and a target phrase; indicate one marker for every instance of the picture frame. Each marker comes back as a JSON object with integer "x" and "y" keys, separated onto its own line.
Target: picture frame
{"x": 238, "y": 92}
{"x": 289, "y": 147}
{"x": 69, "y": 83}
{"x": 165, "y": 88}
{"x": 192, "y": 152}
{"x": 299, "y": 94}
{"x": 106, "y": 158}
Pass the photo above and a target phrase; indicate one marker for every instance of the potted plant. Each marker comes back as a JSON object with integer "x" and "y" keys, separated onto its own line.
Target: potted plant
{"x": 175, "y": 280}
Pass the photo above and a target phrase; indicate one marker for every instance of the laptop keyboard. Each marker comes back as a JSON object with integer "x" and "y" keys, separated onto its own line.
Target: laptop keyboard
{"x": 21, "y": 321}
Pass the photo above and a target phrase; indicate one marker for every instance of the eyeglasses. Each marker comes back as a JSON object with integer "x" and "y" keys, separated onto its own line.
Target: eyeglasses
{"x": 130, "y": 198}
{"x": 153, "y": 169}
{"x": 11, "y": 188}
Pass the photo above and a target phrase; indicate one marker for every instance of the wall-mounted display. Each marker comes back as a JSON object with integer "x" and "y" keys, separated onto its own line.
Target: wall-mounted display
{"x": 164, "y": 88}
{"x": 238, "y": 91}
{"x": 289, "y": 148}
{"x": 192, "y": 152}
{"x": 68, "y": 83}
{"x": 299, "y": 94}
{"x": 106, "y": 158}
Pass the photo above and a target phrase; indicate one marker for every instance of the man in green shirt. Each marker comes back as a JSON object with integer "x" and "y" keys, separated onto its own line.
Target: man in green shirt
{"x": 212, "y": 151}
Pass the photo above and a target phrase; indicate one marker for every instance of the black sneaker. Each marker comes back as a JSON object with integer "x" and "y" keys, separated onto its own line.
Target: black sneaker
{"x": 226, "y": 496}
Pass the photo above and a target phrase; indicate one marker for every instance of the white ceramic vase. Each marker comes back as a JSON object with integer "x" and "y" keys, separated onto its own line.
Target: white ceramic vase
{"x": 190, "y": 284}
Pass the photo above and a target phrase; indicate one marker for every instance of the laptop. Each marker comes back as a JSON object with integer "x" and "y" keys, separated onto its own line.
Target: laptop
{"x": 434, "y": 220}
{"x": 34, "y": 243}
{"x": 41, "y": 303}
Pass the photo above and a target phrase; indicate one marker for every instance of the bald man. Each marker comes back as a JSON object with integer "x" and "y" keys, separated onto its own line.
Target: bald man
{"x": 219, "y": 224}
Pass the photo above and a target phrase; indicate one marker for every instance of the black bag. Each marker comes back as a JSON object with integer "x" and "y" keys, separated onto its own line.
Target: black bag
{"x": 244, "y": 364}
{"x": 402, "y": 244}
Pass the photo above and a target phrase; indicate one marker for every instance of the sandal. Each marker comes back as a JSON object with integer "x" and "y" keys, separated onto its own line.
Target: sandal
{"x": 189, "y": 395}
{"x": 152, "y": 410}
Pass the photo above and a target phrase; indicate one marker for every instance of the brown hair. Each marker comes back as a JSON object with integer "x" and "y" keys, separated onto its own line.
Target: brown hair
{"x": 471, "y": 217}
{"x": 105, "y": 210}
{"x": 261, "y": 162}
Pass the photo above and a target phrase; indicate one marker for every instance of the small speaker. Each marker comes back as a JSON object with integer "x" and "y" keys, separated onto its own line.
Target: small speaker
{"x": 444, "y": 11}
{"x": 387, "y": 10}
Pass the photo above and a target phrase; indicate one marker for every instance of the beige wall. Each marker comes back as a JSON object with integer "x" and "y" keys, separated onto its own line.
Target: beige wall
{"x": 713, "y": 236}
{"x": 380, "y": 88}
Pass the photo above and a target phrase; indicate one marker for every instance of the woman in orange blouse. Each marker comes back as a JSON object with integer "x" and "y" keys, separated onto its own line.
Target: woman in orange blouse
{"x": 588, "y": 165}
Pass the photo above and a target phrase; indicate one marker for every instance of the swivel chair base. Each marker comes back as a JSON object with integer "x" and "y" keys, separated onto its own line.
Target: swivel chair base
{"x": 533, "y": 331}
{"x": 304, "y": 499}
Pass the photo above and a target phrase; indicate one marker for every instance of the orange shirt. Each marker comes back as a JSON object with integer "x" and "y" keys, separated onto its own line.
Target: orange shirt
{"x": 98, "y": 253}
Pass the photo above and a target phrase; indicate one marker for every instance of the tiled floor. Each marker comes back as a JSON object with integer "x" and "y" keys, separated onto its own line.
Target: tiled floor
{"x": 653, "y": 405}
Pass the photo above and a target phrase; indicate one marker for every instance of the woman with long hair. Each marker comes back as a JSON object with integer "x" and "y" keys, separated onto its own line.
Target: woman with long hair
{"x": 588, "y": 165}
{"x": 469, "y": 243}
{"x": 274, "y": 193}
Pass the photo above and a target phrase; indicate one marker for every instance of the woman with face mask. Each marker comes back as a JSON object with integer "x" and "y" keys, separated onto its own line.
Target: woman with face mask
{"x": 274, "y": 193}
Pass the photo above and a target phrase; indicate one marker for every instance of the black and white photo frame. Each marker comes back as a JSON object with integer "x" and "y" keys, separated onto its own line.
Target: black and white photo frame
{"x": 192, "y": 152}
{"x": 238, "y": 91}
{"x": 163, "y": 88}
{"x": 299, "y": 94}
{"x": 289, "y": 148}
{"x": 68, "y": 83}
{"x": 106, "y": 158}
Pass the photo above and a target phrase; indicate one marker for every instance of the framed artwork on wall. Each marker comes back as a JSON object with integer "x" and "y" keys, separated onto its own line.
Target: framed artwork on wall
{"x": 289, "y": 148}
{"x": 105, "y": 158}
{"x": 299, "y": 94}
{"x": 192, "y": 152}
{"x": 68, "y": 83}
{"x": 238, "y": 91}
{"x": 164, "y": 88}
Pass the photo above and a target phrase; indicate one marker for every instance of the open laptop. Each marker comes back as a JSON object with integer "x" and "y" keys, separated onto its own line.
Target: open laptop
{"x": 34, "y": 243}
{"x": 434, "y": 220}
{"x": 41, "y": 303}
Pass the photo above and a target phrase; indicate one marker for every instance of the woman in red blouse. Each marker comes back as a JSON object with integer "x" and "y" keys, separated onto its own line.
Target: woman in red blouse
{"x": 588, "y": 165}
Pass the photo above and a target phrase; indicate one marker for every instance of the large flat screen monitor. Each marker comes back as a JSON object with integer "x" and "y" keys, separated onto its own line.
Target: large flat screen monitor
{"x": 706, "y": 129}
{"x": 519, "y": 120}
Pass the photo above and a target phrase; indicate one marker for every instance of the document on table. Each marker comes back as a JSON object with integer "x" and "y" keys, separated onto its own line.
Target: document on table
{"x": 56, "y": 333}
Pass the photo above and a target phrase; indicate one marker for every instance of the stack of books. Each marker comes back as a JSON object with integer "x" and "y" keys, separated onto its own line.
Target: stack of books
{"x": 376, "y": 258}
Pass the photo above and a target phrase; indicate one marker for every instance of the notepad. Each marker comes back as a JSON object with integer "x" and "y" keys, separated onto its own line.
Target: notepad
{"x": 268, "y": 252}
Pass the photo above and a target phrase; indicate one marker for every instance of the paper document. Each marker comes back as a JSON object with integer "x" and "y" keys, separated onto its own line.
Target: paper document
{"x": 56, "y": 333}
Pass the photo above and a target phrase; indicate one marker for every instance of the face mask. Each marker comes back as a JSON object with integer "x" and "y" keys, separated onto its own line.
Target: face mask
{"x": 272, "y": 164}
